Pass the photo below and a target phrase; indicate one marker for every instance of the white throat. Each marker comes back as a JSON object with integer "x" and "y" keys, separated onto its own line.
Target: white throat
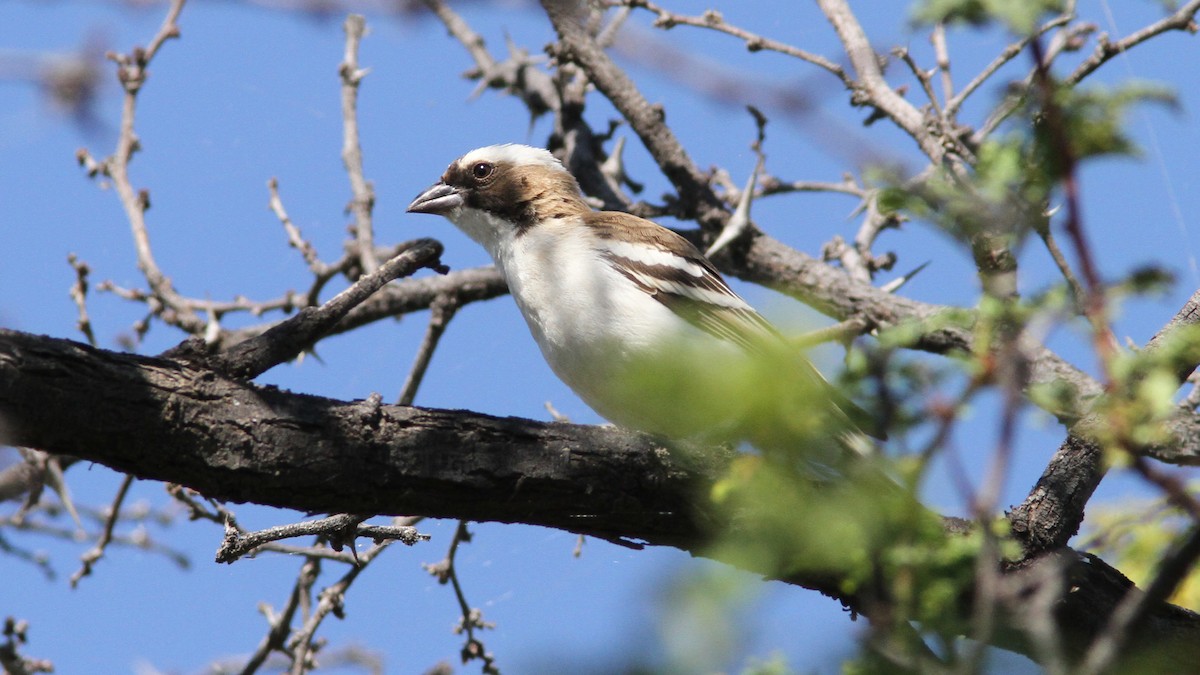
{"x": 491, "y": 232}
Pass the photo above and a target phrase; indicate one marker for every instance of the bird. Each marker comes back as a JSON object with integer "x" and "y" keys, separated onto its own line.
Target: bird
{"x": 629, "y": 314}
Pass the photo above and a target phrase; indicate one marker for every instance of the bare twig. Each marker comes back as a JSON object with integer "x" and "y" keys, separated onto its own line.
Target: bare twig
{"x": 79, "y": 294}
{"x": 713, "y": 20}
{"x": 937, "y": 37}
{"x": 10, "y": 660}
{"x": 1094, "y": 301}
{"x": 770, "y": 185}
{"x": 607, "y": 35}
{"x": 1010, "y": 52}
{"x": 132, "y": 73}
{"x": 462, "y": 32}
{"x": 363, "y": 194}
{"x": 288, "y": 338}
{"x": 1078, "y": 293}
{"x": 279, "y": 626}
{"x": 330, "y": 601}
{"x": 856, "y": 257}
{"x": 36, "y": 558}
{"x": 1183, "y": 18}
{"x": 322, "y": 272}
{"x": 404, "y": 297}
{"x": 577, "y": 46}
{"x": 440, "y": 313}
{"x": 871, "y": 85}
{"x": 842, "y": 331}
{"x": 516, "y": 74}
{"x": 136, "y": 540}
{"x": 287, "y": 302}
{"x": 472, "y": 619}
{"x": 924, "y": 77}
{"x": 95, "y": 553}
{"x": 238, "y": 543}
{"x": 295, "y": 239}
{"x": 739, "y": 222}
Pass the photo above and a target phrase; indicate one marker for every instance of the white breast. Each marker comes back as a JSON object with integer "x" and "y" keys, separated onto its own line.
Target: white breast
{"x": 624, "y": 353}
{"x": 628, "y": 356}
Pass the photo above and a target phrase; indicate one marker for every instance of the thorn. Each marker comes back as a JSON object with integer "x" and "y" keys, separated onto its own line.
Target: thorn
{"x": 895, "y": 284}
{"x": 57, "y": 482}
{"x": 212, "y": 331}
{"x": 740, "y": 219}
{"x": 613, "y": 168}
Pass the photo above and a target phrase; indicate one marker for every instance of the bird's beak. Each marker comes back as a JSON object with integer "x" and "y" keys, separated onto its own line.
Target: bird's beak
{"x": 439, "y": 199}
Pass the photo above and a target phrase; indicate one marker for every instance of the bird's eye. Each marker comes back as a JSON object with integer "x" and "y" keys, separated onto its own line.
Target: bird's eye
{"x": 482, "y": 170}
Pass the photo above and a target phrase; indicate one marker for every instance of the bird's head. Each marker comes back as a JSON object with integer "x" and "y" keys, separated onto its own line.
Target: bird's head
{"x": 498, "y": 192}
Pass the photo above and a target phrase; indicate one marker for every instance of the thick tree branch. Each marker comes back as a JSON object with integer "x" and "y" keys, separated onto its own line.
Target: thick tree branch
{"x": 179, "y": 422}
{"x": 1054, "y": 509}
{"x": 168, "y": 420}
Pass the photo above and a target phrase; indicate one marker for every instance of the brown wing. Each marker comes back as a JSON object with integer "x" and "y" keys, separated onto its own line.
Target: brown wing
{"x": 674, "y": 272}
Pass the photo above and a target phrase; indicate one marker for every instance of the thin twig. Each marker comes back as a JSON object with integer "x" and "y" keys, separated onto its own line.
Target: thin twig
{"x": 132, "y": 73}
{"x": 287, "y": 302}
{"x": 1183, "y": 19}
{"x": 106, "y": 535}
{"x": 1007, "y": 54}
{"x": 322, "y": 272}
{"x": 281, "y": 625}
{"x": 238, "y": 543}
{"x": 713, "y": 20}
{"x": 363, "y": 194}
{"x": 330, "y": 601}
{"x": 440, "y": 313}
{"x": 770, "y": 185}
{"x": 697, "y": 199}
{"x": 79, "y": 294}
{"x": 288, "y": 338}
{"x": 842, "y": 331}
{"x": 942, "y": 53}
{"x": 1094, "y": 301}
{"x": 1064, "y": 267}
{"x": 471, "y": 619}
{"x": 462, "y": 32}
{"x": 295, "y": 239}
{"x": 607, "y": 35}
{"x": 871, "y": 83}
{"x": 924, "y": 77}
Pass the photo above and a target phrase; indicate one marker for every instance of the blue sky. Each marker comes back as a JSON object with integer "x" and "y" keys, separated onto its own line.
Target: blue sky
{"x": 251, "y": 93}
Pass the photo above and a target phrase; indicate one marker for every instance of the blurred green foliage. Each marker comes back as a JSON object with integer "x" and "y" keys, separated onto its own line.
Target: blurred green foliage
{"x": 1020, "y": 16}
{"x": 1135, "y": 535}
{"x": 799, "y": 505}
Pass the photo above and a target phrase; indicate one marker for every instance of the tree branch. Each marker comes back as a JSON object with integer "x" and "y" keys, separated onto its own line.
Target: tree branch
{"x": 647, "y": 121}
{"x": 175, "y": 421}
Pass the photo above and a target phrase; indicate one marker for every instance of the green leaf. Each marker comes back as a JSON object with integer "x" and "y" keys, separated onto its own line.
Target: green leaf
{"x": 1088, "y": 122}
{"x": 1020, "y": 16}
